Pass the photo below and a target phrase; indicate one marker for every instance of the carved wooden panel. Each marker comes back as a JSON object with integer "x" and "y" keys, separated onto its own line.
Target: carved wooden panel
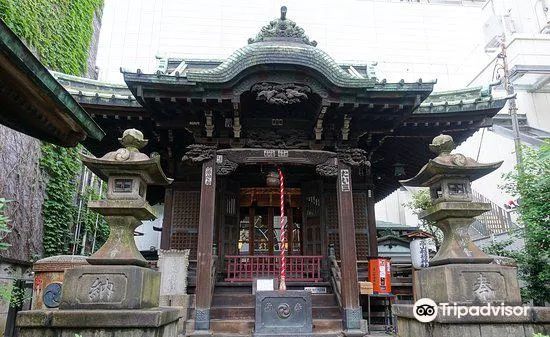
{"x": 185, "y": 221}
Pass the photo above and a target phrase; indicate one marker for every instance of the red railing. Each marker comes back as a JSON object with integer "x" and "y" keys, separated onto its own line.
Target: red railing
{"x": 298, "y": 268}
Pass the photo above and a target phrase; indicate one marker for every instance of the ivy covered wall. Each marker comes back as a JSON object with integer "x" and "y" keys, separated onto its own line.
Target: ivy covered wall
{"x": 59, "y": 32}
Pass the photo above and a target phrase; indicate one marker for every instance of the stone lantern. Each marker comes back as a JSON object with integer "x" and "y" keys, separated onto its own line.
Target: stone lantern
{"x": 127, "y": 172}
{"x": 116, "y": 277}
{"x": 449, "y": 178}
{"x": 115, "y": 294}
{"x": 460, "y": 272}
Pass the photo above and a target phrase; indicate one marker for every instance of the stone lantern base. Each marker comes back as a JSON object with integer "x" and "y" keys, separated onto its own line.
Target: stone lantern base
{"x": 155, "y": 322}
{"x": 468, "y": 284}
{"x": 111, "y": 287}
{"x": 107, "y": 300}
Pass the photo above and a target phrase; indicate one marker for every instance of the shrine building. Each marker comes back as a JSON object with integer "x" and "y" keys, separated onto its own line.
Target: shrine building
{"x": 341, "y": 137}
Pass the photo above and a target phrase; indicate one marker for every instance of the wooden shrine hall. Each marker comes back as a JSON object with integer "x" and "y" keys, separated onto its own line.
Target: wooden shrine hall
{"x": 342, "y": 138}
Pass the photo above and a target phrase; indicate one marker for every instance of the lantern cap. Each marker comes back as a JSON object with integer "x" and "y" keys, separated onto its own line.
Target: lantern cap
{"x": 128, "y": 160}
{"x": 449, "y": 165}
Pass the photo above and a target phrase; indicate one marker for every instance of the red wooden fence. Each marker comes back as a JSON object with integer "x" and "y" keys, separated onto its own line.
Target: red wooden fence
{"x": 298, "y": 268}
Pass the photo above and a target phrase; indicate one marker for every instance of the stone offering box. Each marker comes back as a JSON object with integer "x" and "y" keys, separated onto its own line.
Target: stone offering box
{"x": 283, "y": 313}
{"x": 49, "y": 275}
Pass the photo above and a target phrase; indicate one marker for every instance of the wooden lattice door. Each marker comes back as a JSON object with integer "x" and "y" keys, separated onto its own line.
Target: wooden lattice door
{"x": 361, "y": 225}
{"x": 228, "y": 215}
{"x": 331, "y": 211}
{"x": 360, "y": 220}
{"x": 185, "y": 221}
{"x": 313, "y": 232}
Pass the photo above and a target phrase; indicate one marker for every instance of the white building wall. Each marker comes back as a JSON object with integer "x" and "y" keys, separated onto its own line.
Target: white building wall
{"x": 150, "y": 237}
{"x": 392, "y": 209}
{"x": 487, "y": 147}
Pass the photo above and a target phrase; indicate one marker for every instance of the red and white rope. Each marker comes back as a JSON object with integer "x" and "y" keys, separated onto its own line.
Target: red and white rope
{"x": 282, "y": 284}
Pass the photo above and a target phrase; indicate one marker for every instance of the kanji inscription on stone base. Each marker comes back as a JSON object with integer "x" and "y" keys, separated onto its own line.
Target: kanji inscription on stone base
{"x": 101, "y": 290}
{"x": 107, "y": 288}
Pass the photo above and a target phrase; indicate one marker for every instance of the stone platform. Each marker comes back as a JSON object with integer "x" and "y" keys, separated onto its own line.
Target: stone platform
{"x": 155, "y": 322}
{"x": 537, "y": 320}
{"x": 469, "y": 284}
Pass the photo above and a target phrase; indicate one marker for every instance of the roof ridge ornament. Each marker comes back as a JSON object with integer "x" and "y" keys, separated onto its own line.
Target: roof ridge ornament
{"x": 282, "y": 29}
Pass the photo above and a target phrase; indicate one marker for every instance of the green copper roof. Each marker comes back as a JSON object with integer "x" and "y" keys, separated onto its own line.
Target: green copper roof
{"x": 90, "y": 91}
{"x": 467, "y": 99}
{"x": 101, "y": 93}
{"x": 20, "y": 59}
{"x": 280, "y": 52}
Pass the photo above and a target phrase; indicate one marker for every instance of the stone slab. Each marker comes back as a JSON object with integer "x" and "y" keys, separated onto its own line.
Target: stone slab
{"x": 154, "y": 317}
{"x": 279, "y": 312}
{"x": 469, "y": 284}
{"x": 110, "y": 287}
{"x": 173, "y": 266}
{"x": 168, "y": 330}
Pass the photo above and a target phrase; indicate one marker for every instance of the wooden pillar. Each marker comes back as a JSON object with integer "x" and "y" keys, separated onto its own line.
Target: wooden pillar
{"x": 251, "y": 230}
{"x": 371, "y": 218}
{"x": 167, "y": 220}
{"x": 204, "y": 247}
{"x": 346, "y": 230}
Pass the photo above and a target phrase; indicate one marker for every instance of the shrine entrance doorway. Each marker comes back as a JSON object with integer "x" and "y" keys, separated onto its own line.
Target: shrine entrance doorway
{"x": 259, "y": 238}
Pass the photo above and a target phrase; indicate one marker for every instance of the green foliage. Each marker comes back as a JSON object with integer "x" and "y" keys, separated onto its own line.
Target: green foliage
{"x": 4, "y": 229}
{"x": 540, "y": 335}
{"x": 501, "y": 249}
{"x": 531, "y": 183}
{"x": 60, "y": 31}
{"x": 62, "y": 166}
{"x": 14, "y": 295}
{"x": 94, "y": 225}
{"x": 420, "y": 201}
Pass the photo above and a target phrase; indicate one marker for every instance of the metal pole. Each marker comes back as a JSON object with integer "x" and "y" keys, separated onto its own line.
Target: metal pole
{"x": 512, "y": 107}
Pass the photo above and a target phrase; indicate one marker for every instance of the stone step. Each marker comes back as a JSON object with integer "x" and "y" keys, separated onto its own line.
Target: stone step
{"x": 246, "y": 287}
{"x": 319, "y": 334}
{"x": 240, "y": 313}
{"x": 248, "y": 300}
{"x": 223, "y": 327}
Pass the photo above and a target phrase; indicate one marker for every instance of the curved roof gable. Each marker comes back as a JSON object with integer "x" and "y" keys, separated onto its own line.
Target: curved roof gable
{"x": 282, "y": 41}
